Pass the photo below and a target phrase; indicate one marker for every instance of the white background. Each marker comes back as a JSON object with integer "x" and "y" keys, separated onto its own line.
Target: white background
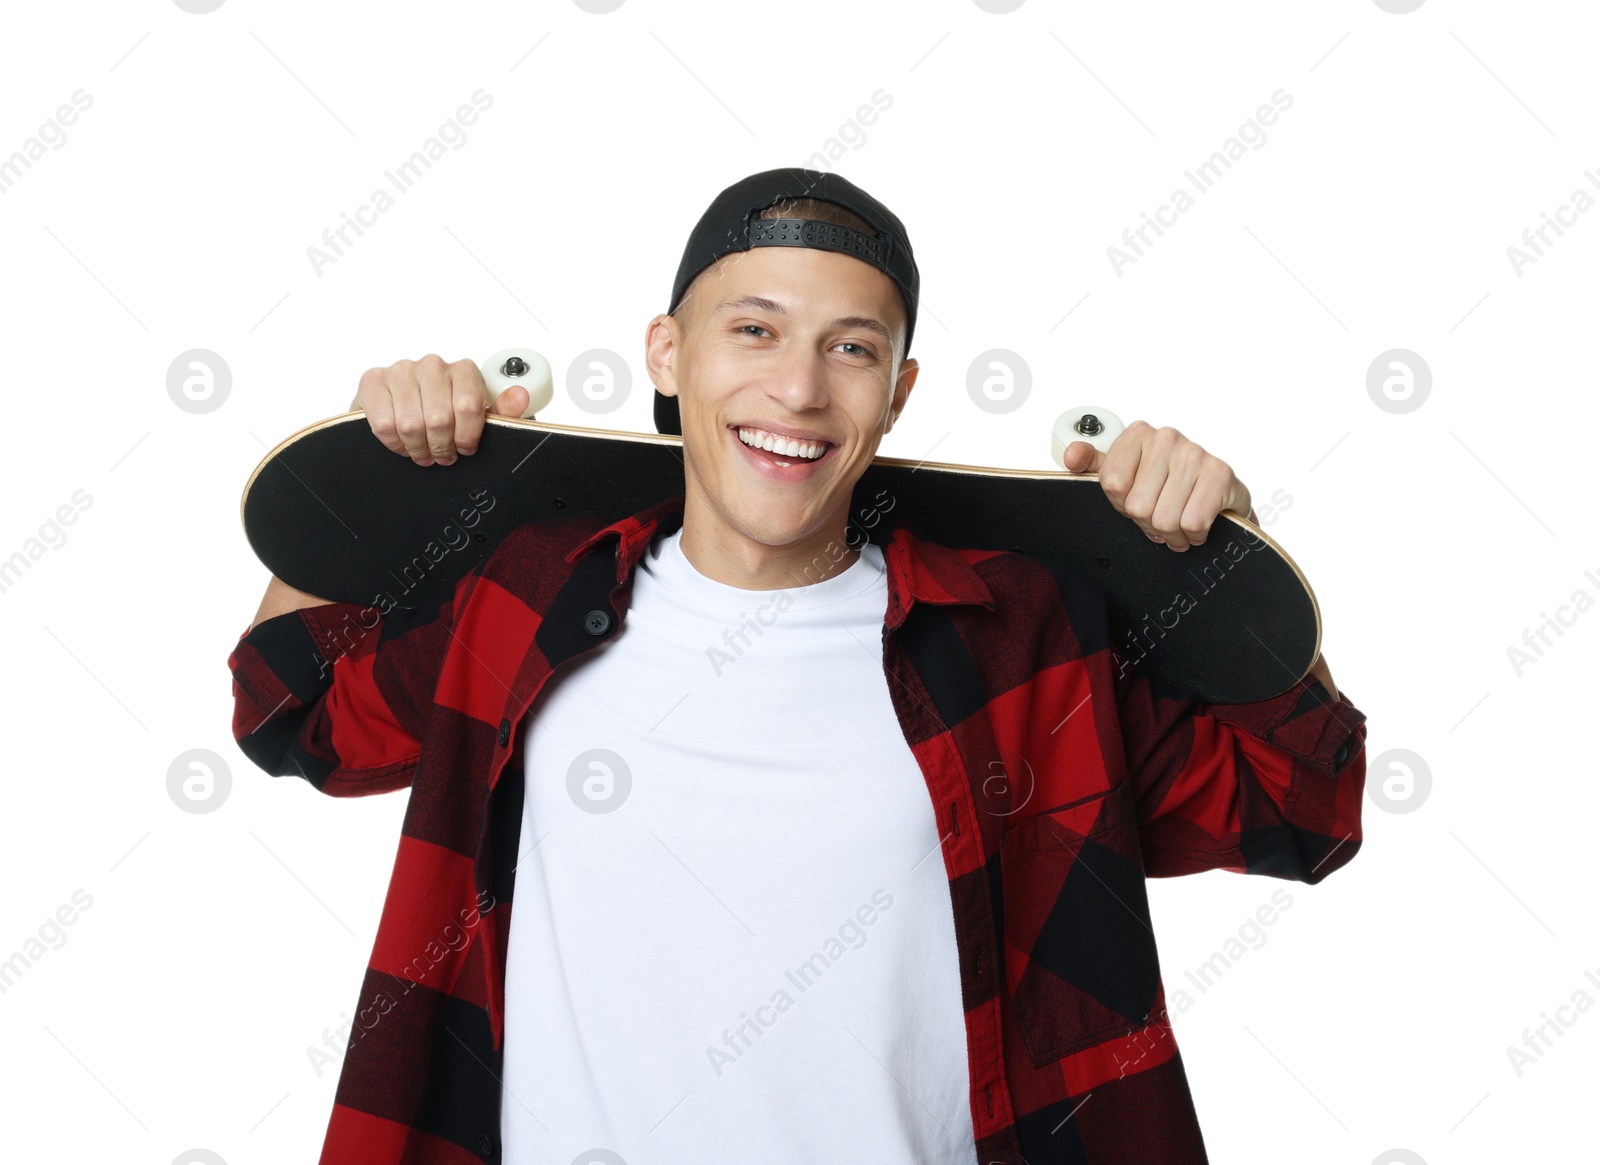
{"x": 1377, "y": 215}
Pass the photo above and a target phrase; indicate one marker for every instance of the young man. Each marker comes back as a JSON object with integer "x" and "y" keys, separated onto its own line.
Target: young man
{"x": 822, "y": 848}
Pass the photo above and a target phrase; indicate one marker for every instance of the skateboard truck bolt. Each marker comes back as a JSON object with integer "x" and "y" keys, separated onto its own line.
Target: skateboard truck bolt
{"x": 516, "y": 366}
{"x": 1088, "y": 424}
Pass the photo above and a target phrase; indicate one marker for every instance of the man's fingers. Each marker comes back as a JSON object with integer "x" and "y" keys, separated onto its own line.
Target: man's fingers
{"x": 1159, "y": 461}
{"x": 438, "y": 411}
{"x": 1082, "y": 457}
{"x": 372, "y": 397}
{"x": 468, "y": 396}
{"x": 511, "y": 402}
{"x": 406, "y": 396}
{"x": 1120, "y": 469}
{"x": 1139, "y": 502}
{"x": 429, "y": 410}
{"x": 1166, "y": 484}
{"x": 1178, "y": 498}
{"x": 1207, "y": 499}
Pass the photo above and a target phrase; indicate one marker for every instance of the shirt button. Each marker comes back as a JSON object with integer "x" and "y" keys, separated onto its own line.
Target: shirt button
{"x": 486, "y": 1142}
{"x": 505, "y": 732}
{"x": 1342, "y": 755}
{"x": 596, "y": 622}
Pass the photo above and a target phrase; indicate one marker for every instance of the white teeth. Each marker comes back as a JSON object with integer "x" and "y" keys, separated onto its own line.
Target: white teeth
{"x": 785, "y": 447}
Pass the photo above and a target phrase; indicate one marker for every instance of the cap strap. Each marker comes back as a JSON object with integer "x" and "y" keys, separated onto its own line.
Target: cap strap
{"x": 824, "y": 236}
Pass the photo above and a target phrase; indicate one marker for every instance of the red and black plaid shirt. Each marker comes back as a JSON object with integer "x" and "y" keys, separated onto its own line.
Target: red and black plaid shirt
{"x": 1058, "y": 784}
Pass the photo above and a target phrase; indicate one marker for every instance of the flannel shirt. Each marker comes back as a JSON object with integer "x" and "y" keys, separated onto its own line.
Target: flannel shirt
{"x": 1059, "y": 783}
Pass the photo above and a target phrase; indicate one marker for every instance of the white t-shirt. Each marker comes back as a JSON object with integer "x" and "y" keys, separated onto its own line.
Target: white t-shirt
{"x": 731, "y": 936}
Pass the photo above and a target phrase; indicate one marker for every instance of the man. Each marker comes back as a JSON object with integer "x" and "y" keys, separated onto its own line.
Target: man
{"x": 822, "y": 847}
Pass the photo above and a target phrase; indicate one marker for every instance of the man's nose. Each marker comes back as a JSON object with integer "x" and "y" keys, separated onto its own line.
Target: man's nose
{"x": 799, "y": 377}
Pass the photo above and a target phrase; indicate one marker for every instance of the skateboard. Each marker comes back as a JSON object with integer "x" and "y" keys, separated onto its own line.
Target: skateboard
{"x": 334, "y": 513}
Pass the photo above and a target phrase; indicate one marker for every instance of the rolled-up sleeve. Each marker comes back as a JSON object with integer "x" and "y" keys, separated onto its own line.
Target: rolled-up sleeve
{"x": 339, "y": 694}
{"x": 1272, "y": 787}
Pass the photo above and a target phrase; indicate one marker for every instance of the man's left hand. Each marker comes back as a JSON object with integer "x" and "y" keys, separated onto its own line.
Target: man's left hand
{"x": 1168, "y": 485}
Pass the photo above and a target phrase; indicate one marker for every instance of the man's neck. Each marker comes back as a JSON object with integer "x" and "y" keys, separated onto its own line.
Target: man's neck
{"x": 733, "y": 559}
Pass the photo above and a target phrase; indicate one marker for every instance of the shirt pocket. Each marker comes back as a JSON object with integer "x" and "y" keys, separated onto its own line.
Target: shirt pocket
{"x": 1080, "y": 954}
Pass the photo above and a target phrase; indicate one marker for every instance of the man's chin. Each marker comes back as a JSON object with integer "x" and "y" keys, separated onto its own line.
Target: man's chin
{"x": 772, "y": 531}
{"x": 769, "y": 525}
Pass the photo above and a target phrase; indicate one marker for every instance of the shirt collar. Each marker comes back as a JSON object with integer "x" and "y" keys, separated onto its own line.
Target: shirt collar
{"x": 919, "y": 570}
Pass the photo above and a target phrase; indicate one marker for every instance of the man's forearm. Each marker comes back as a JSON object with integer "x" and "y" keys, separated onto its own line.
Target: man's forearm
{"x": 282, "y": 598}
{"x": 1319, "y": 671}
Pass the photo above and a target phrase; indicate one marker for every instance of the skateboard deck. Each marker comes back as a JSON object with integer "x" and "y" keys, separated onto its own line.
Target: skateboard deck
{"x": 334, "y": 513}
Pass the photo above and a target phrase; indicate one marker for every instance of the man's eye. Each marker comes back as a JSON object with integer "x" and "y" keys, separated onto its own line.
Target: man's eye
{"x": 755, "y": 329}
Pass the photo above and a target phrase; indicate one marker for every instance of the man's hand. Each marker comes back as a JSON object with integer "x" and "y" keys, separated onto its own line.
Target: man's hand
{"x": 431, "y": 410}
{"x": 1165, "y": 482}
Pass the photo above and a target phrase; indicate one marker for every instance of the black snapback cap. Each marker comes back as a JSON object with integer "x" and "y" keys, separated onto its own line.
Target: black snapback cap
{"x": 730, "y": 224}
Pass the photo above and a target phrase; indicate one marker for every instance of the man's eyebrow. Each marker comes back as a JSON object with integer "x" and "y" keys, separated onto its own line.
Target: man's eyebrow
{"x": 761, "y": 303}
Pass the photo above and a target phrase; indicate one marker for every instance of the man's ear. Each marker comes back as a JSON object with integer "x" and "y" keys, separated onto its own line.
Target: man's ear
{"x": 903, "y": 384}
{"x": 660, "y": 343}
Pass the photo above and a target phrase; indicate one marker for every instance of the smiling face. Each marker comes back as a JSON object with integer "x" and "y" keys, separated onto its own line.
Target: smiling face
{"x": 775, "y": 342}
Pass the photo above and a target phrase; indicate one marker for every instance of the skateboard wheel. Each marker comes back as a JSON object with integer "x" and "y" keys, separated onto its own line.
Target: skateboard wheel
{"x": 521, "y": 366}
{"x": 1091, "y": 423}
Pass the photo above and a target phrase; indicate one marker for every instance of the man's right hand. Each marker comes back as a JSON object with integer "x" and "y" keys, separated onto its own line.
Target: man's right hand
{"x": 430, "y": 410}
